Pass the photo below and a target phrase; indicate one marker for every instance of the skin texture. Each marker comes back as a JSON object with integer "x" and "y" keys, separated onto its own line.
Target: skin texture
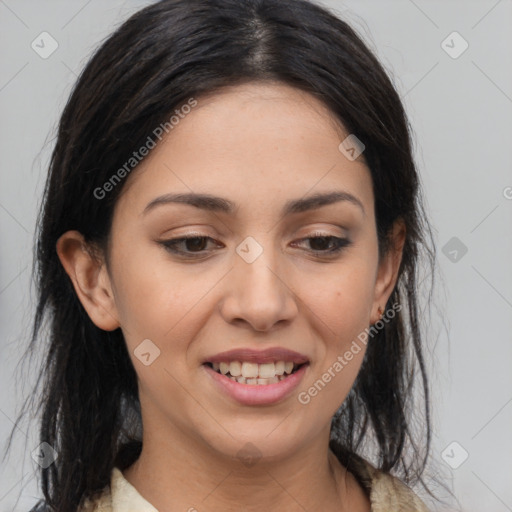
{"x": 258, "y": 145}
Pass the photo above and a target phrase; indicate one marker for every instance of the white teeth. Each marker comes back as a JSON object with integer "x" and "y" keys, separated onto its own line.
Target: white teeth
{"x": 254, "y": 373}
{"x": 235, "y": 368}
{"x": 267, "y": 370}
{"x": 249, "y": 370}
{"x": 257, "y": 381}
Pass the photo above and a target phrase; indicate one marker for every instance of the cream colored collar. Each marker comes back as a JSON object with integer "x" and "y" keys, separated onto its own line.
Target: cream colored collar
{"x": 387, "y": 493}
{"x": 125, "y": 498}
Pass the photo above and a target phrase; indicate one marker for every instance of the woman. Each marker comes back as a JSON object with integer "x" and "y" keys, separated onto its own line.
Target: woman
{"x": 228, "y": 255}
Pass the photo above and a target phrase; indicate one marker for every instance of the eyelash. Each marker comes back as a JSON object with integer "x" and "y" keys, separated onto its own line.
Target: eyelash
{"x": 340, "y": 245}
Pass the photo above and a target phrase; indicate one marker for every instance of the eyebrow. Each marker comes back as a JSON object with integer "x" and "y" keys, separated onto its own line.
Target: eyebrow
{"x": 219, "y": 204}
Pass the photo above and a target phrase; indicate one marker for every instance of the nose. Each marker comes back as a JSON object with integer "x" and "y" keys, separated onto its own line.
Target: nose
{"x": 259, "y": 294}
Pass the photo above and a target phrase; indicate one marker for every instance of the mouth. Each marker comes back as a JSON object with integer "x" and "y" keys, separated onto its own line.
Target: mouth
{"x": 256, "y": 374}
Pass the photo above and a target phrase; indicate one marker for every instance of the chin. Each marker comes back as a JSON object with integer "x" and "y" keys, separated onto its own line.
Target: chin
{"x": 250, "y": 441}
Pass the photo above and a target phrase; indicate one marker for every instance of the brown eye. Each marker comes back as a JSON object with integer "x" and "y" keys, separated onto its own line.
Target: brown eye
{"x": 195, "y": 244}
{"x": 327, "y": 244}
{"x": 188, "y": 246}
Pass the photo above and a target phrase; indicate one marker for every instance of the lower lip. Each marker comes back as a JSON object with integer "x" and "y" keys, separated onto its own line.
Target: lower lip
{"x": 257, "y": 394}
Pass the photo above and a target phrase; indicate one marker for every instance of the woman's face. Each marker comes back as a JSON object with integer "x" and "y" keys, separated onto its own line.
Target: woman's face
{"x": 253, "y": 278}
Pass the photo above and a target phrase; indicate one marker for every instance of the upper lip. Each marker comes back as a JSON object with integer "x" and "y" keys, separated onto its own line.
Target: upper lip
{"x": 268, "y": 355}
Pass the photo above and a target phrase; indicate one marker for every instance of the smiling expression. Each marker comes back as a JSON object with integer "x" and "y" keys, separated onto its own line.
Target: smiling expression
{"x": 283, "y": 256}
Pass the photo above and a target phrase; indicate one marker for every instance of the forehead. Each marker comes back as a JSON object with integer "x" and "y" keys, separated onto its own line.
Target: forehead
{"x": 250, "y": 141}
{"x": 268, "y": 111}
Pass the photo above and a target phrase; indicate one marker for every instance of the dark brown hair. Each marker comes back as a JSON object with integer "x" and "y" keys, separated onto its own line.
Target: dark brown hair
{"x": 153, "y": 63}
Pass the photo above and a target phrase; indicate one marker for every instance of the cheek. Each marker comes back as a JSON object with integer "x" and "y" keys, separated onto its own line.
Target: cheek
{"x": 157, "y": 302}
{"x": 161, "y": 300}
{"x": 341, "y": 299}
{"x": 150, "y": 298}
{"x": 340, "y": 309}
{"x": 338, "y": 303}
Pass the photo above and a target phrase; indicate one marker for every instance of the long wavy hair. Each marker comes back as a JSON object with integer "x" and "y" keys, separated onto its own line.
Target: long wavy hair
{"x": 152, "y": 64}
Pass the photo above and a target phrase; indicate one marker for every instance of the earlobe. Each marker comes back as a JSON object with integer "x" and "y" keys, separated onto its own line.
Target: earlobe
{"x": 389, "y": 266}
{"x": 90, "y": 279}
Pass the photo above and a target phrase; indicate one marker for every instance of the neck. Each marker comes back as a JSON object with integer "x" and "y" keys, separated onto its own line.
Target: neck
{"x": 183, "y": 474}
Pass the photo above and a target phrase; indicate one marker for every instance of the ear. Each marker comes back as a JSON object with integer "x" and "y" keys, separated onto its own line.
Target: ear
{"x": 90, "y": 279}
{"x": 389, "y": 265}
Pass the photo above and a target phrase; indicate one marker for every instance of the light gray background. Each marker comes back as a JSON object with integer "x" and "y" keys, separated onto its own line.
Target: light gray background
{"x": 461, "y": 112}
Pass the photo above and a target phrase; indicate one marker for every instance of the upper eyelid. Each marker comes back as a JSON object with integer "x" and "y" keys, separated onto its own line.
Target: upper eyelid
{"x": 315, "y": 234}
{"x": 310, "y": 231}
{"x": 342, "y": 240}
